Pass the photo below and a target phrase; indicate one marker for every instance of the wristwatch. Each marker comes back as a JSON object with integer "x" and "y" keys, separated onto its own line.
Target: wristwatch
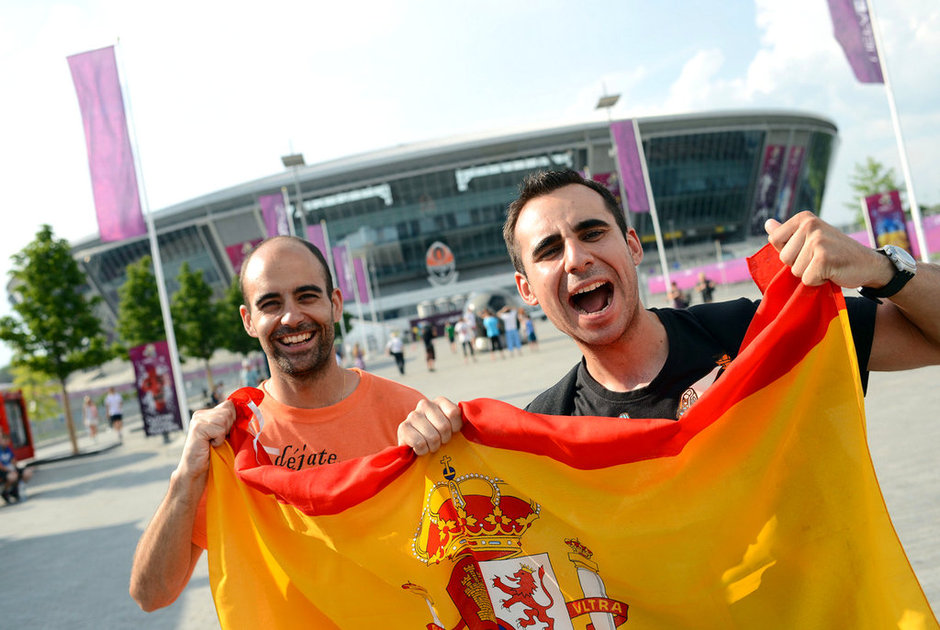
{"x": 906, "y": 268}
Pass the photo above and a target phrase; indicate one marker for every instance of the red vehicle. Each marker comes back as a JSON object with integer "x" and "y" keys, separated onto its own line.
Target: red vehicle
{"x": 14, "y": 422}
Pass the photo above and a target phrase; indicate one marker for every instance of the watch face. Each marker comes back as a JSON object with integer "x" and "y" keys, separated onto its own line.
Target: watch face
{"x": 901, "y": 258}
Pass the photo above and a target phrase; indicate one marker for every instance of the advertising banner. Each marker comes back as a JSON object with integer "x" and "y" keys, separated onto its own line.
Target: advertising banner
{"x": 342, "y": 273}
{"x": 156, "y": 389}
{"x": 316, "y": 236}
{"x": 275, "y": 214}
{"x": 885, "y": 219}
{"x": 851, "y": 24}
{"x": 630, "y": 162}
{"x": 611, "y": 183}
{"x": 765, "y": 199}
{"x": 790, "y": 182}
{"x": 362, "y": 281}
{"x": 238, "y": 252}
{"x": 110, "y": 159}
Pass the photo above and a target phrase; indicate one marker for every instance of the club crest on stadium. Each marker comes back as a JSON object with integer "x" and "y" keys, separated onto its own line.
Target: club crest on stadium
{"x": 476, "y": 524}
{"x": 440, "y": 263}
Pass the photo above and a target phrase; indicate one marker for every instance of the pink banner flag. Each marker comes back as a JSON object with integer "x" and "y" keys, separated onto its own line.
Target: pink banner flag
{"x": 316, "y": 236}
{"x": 342, "y": 274}
{"x": 630, "y": 162}
{"x": 110, "y": 159}
{"x": 362, "y": 281}
{"x": 851, "y": 24}
{"x": 274, "y": 214}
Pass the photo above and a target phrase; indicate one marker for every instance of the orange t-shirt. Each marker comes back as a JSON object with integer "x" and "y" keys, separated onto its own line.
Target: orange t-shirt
{"x": 363, "y": 423}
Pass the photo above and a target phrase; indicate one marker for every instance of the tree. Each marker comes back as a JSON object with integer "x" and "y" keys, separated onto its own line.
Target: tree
{"x": 39, "y": 390}
{"x": 195, "y": 318}
{"x": 140, "y": 318}
{"x": 232, "y": 335}
{"x": 57, "y": 332}
{"x": 868, "y": 179}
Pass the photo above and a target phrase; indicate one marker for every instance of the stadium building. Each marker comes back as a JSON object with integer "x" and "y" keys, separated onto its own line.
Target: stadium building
{"x": 715, "y": 177}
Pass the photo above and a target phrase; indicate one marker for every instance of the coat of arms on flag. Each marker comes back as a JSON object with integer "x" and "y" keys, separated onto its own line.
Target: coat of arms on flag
{"x": 472, "y": 523}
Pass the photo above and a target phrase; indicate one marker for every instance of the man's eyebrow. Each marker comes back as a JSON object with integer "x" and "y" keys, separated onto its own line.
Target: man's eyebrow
{"x": 545, "y": 243}
{"x": 588, "y": 224}
{"x": 305, "y": 288}
{"x": 264, "y": 297}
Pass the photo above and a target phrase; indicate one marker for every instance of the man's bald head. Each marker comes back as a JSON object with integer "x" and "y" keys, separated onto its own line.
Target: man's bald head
{"x": 274, "y": 240}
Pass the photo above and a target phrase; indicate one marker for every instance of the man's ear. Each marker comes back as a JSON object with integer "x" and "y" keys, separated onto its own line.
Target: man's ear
{"x": 246, "y": 321}
{"x": 337, "y": 300}
{"x": 525, "y": 290}
{"x": 635, "y": 247}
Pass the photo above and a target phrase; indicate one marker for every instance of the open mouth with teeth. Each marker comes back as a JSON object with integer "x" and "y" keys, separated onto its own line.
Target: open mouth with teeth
{"x": 593, "y": 298}
{"x": 296, "y": 339}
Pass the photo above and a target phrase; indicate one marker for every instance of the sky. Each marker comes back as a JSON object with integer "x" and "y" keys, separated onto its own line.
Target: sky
{"x": 218, "y": 91}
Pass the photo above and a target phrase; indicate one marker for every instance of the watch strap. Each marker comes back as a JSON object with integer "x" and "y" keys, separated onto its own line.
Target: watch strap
{"x": 901, "y": 278}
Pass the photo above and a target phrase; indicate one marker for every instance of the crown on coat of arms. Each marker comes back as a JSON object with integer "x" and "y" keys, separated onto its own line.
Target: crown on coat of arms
{"x": 470, "y": 513}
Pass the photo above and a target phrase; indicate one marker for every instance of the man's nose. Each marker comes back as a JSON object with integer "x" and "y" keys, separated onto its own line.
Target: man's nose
{"x": 292, "y": 314}
{"x": 577, "y": 258}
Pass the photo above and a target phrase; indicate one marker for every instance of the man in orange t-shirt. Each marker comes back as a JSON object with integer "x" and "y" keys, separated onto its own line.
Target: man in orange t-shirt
{"x": 315, "y": 412}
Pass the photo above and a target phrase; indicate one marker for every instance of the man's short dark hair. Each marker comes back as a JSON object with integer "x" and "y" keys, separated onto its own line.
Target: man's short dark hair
{"x": 310, "y": 246}
{"x": 542, "y": 183}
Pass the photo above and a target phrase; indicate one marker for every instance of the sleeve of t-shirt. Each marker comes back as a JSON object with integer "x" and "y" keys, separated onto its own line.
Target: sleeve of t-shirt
{"x": 862, "y": 320}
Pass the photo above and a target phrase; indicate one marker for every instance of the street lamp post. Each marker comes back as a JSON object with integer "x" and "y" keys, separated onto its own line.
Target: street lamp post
{"x": 295, "y": 161}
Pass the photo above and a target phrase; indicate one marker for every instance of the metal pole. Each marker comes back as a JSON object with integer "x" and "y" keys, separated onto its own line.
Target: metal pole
{"x": 158, "y": 271}
{"x": 905, "y": 169}
{"x": 653, "y": 214}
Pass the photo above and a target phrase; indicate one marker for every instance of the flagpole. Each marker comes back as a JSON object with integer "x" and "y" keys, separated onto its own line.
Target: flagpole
{"x": 905, "y": 169}
{"x": 175, "y": 365}
{"x": 661, "y": 248}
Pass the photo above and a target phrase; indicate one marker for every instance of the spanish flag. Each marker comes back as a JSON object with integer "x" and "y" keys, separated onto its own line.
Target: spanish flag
{"x": 759, "y": 509}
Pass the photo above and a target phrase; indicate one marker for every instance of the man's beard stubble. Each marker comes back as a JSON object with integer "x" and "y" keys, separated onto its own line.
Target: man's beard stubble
{"x": 311, "y": 363}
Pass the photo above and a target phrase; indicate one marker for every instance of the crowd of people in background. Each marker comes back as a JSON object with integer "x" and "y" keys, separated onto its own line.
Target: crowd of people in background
{"x": 705, "y": 287}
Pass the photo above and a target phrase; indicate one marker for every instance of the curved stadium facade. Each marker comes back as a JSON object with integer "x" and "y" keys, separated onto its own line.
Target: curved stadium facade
{"x": 715, "y": 177}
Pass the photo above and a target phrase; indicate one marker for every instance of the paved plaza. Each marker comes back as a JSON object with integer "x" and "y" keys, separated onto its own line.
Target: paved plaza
{"x": 66, "y": 551}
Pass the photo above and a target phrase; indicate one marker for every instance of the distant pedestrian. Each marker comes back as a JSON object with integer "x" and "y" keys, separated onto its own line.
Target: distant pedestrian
{"x": 491, "y": 326}
{"x": 359, "y": 357}
{"x": 90, "y": 417}
{"x": 528, "y": 329}
{"x": 396, "y": 348}
{"x": 677, "y": 297}
{"x": 451, "y": 330}
{"x": 705, "y": 287}
{"x": 427, "y": 336}
{"x": 511, "y": 328}
{"x": 114, "y": 404}
{"x": 466, "y": 334}
{"x": 12, "y": 475}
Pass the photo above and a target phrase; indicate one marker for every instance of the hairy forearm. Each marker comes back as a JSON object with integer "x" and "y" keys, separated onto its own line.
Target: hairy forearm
{"x": 920, "y": 302}
{"x": 165, "y": 555}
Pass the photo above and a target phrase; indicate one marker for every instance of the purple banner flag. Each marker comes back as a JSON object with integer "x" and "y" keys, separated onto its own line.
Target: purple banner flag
{"x": 362, "y": 281}
{"x": 342, "y": 275}
{"x": 110, "y": 159}
{"x": 886, "y": 220}
{"x": 315, "y": 235}
{"x": 630, "y": 162}
{"x": 156, "y": 390}
{"x": 274, "y": 214}
{"x": 852, "y": 27}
